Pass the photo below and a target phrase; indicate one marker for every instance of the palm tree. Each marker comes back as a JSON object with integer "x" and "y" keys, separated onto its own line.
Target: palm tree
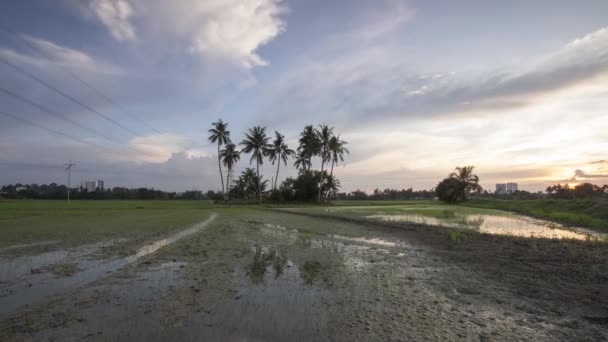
{"x": 466, "y": 177}
{"x": 256, "y": 143}
{"x": 324, "y": 134}
{"x": 279, "y": 152}
{"x": 310, "y": 145}
{"x": 302, "y": 161}
{"x": 221, "y": 135}
{"x": 230, "y": 156}
{"x": 337, "y": 150}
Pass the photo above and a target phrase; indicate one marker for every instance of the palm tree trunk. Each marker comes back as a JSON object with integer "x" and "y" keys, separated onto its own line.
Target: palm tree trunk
{"x": 277, "y": 176}
{"x": 321, "y": 182}
{"x": 331, "y": 174}
{"x": 257, "y": 165}
{"x": 219, "y": 165}
{"x": 228, "y": 182}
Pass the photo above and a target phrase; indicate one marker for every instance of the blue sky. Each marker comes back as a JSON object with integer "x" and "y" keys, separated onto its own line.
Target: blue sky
{"x": 516, "y": 88}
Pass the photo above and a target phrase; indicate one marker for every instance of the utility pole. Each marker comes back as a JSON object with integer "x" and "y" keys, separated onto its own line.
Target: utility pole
{"x": 68, "y": 168}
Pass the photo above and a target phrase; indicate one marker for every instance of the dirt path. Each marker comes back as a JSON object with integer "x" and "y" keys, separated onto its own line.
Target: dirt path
{"x": 261, "y": 275}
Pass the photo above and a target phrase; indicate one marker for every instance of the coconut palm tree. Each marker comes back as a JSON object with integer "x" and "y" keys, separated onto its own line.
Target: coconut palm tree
{"x": 302, "y": 162}
{"x": 256, "y": 143}
{"x": 324, "y": 134}
{"x": 279, "y": 152}
{"x": 466, "y": 177}
{"x": 221, "y": 135}
{"x": 310, "y": 144}
{"x": 337, "y": 150}
{"x": 230, "y": 156}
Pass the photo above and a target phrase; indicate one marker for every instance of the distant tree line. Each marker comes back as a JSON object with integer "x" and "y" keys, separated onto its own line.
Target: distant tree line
{"x": 388, "y": 194}
{"x": 55, "y": 191}
{"x": 583, "y": 190}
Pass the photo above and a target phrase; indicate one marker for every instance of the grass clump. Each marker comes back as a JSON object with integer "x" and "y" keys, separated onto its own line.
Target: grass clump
{"x": 456, "y": 235}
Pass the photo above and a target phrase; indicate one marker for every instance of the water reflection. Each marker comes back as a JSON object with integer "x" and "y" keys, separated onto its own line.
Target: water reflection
{"x": 262, "y": 259}
{"x": 513, "y": 225}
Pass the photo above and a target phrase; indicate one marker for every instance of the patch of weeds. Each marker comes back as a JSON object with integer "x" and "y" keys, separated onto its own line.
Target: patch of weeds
{"x": 260, "y": 262}
{"x": 456, "y": 235}
{"x": 310, "y": 271}
{"x": 448, "y": 213}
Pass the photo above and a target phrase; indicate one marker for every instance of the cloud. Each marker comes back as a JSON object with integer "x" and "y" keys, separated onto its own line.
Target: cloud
{"x": 602, "y": 161}
{"x": 50, "y": 53}
{"x": 115, "y": 15}
{"x": 235, "y": 29}
{"x": 375, "y": 82}
{"x": 159, "y": 148}
{"x": 583, "y": 174}
{"x": 213, "y": 30}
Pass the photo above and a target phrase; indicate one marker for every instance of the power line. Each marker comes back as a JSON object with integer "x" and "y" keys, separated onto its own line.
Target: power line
{"x": 67, "y": 96}
{"x": 37, "y": 125}
{"x": 57, "y": 115}
{"x": 83, "y": 82}
{"x": 65, "y": 118}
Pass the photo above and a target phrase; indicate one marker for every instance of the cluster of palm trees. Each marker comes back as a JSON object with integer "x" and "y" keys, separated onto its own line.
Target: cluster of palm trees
{"x": 313, "y": 142}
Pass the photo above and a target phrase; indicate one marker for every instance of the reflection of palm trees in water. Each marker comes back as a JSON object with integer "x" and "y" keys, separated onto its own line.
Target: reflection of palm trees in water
{"x": 256, "y": 270}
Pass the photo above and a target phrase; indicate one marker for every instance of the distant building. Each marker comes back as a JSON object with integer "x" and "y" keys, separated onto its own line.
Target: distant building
{"x": 506, "y": 188}
{"x": 91, "y": 186}
{"x": 501, "y": 188}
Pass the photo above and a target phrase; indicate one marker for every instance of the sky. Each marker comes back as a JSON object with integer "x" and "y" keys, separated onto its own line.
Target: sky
{"x": 127, "y": 89}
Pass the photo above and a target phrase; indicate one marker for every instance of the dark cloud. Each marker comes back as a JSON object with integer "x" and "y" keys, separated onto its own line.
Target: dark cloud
{"x": 582, "y": 174}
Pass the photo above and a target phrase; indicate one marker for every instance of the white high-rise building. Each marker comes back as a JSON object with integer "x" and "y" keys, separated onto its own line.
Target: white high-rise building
{"x": 511, "y": 187}
{"x": 501, "y": 188}
{"x": 506, "y": 188}
{"x": 91, "y": 186}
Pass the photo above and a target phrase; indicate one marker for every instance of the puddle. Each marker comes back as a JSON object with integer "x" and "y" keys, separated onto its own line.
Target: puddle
{"x": 24, "y": 289}
{"x": 493, "y": 224}
{"x": 371, "y": 241}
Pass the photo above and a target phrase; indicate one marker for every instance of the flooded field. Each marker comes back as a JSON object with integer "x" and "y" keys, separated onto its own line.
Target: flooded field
{"x": 481, "y": 220}
{"x": 250, "y": 274}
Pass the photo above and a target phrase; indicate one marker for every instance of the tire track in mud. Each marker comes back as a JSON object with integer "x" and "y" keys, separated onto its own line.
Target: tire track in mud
{"x": 42, "y": 286}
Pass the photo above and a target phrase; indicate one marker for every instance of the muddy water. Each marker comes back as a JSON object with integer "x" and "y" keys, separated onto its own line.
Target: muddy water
{"x": 22, "y": 281}
{"x": 492, "y": 224}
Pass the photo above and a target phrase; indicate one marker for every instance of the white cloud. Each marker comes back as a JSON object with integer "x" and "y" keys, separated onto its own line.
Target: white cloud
{"x": 158, "y": 148}
{"x": 50, "y": 53}
{"x": 115, "y": 15}
{"x": 236, "y": 29}
{"x": 217, "y": 30}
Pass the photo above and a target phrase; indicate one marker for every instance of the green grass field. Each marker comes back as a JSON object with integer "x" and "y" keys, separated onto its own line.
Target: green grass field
{"x": 90, "y": 221}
